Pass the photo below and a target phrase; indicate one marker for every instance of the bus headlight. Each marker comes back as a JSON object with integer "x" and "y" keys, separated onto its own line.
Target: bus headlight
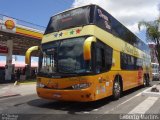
{"x": 81, "y": 86}
{"x": 40, "y": 85}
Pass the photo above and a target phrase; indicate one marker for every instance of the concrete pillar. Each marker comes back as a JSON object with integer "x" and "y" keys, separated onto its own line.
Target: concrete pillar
{"x": 8, "y": 70}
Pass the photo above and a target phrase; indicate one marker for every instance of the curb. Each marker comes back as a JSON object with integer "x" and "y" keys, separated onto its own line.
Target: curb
{"x": 25, "y": 83}
{"x": 150, "y": 94}
{"x": 8, "y": 91}
{"x": 7, "y": 96}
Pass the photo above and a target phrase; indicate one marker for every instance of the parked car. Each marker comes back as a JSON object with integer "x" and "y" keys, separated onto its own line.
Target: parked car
{"x": 155, "y": 71}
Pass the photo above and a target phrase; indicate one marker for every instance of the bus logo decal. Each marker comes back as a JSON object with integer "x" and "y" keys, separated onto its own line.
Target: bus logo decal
{"x": 67, "y": 32}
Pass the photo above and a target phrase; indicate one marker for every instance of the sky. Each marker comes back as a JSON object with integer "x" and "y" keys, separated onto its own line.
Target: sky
{"x": 128, "y": 12}
{"x": 34, "y": 11}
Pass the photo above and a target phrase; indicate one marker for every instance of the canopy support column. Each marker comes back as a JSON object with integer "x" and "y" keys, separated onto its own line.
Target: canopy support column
{"x": 8, "y": 67}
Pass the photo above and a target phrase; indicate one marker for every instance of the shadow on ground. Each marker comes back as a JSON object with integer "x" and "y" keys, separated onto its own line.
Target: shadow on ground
{"x": 73, "y": 107}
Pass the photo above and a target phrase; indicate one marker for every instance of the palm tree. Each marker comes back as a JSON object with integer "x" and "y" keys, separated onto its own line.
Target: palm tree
{"x": 153, "y": 34}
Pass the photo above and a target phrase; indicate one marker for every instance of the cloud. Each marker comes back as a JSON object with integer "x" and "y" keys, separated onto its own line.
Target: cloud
{"x": 128, "y": 12}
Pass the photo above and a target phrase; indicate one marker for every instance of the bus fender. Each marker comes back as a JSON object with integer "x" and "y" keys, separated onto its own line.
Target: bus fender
{"x": 119, "y": 78}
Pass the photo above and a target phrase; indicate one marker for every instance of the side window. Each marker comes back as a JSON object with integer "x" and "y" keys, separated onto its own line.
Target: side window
{"x": 124, "y": 61}
{"x": 103, "y": 57}
{"x": 100, "y": 60}
{"x": 108, "y": 57}
{"x": 129, "y": 62}
{"x": 139, "y": 63}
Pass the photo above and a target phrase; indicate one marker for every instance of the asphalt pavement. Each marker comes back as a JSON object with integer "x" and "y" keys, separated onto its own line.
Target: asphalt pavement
{"x": 10, "y": 90}
{"x": 29, "y": 106}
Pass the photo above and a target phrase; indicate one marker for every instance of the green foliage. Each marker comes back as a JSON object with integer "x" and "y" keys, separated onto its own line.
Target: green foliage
{"x": 152, "y": 32}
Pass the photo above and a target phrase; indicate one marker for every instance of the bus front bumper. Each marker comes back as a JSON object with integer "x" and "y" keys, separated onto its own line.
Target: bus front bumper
{"x": 83, "y": 95}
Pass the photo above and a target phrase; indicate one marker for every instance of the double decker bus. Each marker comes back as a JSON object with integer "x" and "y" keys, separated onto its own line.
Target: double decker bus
{"x": 87, "y": 55}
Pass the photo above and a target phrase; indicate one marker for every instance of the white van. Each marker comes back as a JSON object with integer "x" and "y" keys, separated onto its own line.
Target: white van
{"x": 155, "y": 71}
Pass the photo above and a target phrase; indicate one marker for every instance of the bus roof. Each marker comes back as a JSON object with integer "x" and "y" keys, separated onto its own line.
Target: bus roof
{"x": 93, "y": 14}
{"x": 72, "y": 9}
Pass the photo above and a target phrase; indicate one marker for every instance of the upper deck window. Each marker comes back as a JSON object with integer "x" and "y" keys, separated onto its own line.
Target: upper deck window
{"x": 68, "y": 19}
{"x": 93, "y": 14}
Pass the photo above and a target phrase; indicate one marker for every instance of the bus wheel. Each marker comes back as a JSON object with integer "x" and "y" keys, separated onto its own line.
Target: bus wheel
{"x": 116, "y": 90}
{"x": 147, "y": 81}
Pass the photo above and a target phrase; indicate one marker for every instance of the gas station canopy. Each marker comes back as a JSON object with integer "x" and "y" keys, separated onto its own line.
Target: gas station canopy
{"x": 16, "y": 36}
{"x": 23, "y": 34}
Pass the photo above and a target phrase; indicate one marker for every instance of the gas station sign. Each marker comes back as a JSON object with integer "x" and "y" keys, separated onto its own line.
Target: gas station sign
{"x": 9, "y": 24}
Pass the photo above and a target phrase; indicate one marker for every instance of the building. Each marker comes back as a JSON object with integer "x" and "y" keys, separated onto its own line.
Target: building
{"x": 152, "y": 46}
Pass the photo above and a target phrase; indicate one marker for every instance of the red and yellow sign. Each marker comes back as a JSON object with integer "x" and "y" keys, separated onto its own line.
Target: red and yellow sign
{"x": 9, "y": 24}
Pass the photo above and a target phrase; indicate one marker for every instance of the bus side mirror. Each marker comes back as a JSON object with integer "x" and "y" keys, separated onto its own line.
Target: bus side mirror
{"x": 28, "y": 54}
{"x": 87, "y": 47}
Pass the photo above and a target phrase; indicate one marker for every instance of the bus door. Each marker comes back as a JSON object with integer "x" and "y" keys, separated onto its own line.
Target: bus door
{"x": 103, "y": 63}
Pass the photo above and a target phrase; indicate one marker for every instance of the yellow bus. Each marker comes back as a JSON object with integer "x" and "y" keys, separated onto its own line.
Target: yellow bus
{"x": 87, "y": 55}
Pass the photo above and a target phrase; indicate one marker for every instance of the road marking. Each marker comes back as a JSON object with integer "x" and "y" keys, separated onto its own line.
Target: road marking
{"x": 95, "y": 110}
{"x": 149, "y": 88}
{"x": 127, "y": 100}
{"x": 144, "y": 106}
{"x": 123, "y": 103}
{"x": 86, "y": 112}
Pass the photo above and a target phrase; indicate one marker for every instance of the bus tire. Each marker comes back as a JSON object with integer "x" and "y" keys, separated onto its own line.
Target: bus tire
{"x": 147, "y": 81}
{"x": 144, "y": 81}
{"x": 116, "y": 89}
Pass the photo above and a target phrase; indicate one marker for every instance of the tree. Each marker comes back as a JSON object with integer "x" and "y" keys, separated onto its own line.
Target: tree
{"x": 153, "y": 34}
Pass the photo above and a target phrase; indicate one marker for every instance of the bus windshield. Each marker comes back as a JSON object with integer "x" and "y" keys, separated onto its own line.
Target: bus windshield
{"x": 65, "y": 56}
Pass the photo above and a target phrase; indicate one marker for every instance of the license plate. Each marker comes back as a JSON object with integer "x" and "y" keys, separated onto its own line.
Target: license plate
{"x": 57, "y": 95}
